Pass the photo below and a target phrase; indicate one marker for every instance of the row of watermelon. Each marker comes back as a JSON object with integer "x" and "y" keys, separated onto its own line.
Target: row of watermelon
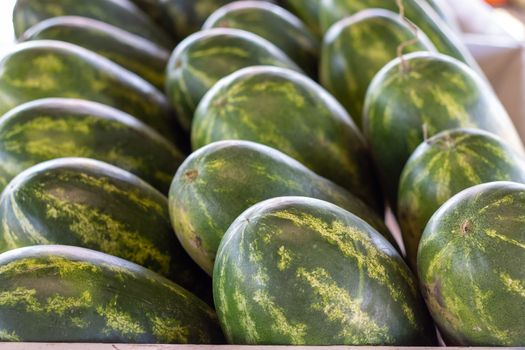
{"x": 244, "y": 173}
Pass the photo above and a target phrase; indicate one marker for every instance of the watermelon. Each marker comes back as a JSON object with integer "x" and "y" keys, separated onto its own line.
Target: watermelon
{"x": 402, "y": 108}
{"x": 357, "y": 47}
{"x": 203, "y": 58}
{"x": 120, "y": 13}
{"x": 273, "y": 23}
{"x": 57, "y": 293}
{"x": 444, "y": 165}
{"x": 54, "y": 128}
{"x": 417, "y": 11}
{"x": 289, "y": 112}
{"x": 470, "y": 264}
{"x": 185, "y": 17}
{"x": 132, "y": 52}
{"x": 296, "y": 270}
{"x": 87, "y": 203}
{"x": 307, "y": 10}
{"x": 219, "y": 181}
{"x": 49, "y": 68}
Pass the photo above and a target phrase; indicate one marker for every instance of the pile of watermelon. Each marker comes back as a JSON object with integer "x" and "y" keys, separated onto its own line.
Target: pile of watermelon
{"x": 211, "y": 171}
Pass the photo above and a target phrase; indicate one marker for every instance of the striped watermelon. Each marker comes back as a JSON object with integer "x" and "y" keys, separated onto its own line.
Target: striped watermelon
{"x": 289, "y": 112}
{"x": 402, "y": 108}
{"x": 120, "y": 13}
{"x": 49, "y": 68}
{"x": 203, "y": 58}
{"x": 470, "y": 264}
{"x": 444, "y": 165}
{"x": 69, "y": 294}
{"x": 132, "y": 52}
{"x": 295, "y": 270}
{"x": 273, "y": 23}
{"x": 357, "y": 47}
{"x": 417, "y": 11}
{"x": 87, "y": 203}
{"x": 55, "y": 127}
{"x": 219, "y": 181}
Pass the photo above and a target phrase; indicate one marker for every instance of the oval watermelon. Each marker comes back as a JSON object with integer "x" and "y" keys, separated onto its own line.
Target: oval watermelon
{"x": 56, "y": 127}
{"x": 203, "y": 58}
{"x": 49, "y": 68}
{"x": 295, "y": 270}
{"x": 444, "y": 165}
{"x": 132, "y": 52}
{"x": 357, "y": 47}
{"x": 69, "y": 294}
{"x": 83, "y": 202}
{"x": 470, "y": 264}
{"x": 417, "y": 11}
{"x": 289, "y": 112}
{"x": 274, "y": 24}
{"x": 120, "y": 13}
{"x": 219, "y": 181}
{"x": 402, "y": 109}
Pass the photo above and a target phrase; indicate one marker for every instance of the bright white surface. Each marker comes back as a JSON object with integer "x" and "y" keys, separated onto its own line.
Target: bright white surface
{"x": 6, "y": 24}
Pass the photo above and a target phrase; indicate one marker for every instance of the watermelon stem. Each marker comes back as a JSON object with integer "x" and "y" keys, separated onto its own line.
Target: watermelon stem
{"x": 403, "y": 67}
{"x": 424, "y": 127}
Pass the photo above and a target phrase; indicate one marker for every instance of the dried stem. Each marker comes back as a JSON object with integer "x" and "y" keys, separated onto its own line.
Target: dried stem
{"x": 403, "y": 67}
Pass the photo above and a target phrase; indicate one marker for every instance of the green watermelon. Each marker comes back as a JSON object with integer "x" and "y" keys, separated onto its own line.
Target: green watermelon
{"x": 417, "y": 11}
{"x": 203, "y": 58}
{"x": 132, "y": 52}
{"x": 273, "y": 23}
{"x": 120, "y": 13}
{"x": 444, "y": 165}
{"x": 91, "y": 204}
{"x": 307, "y": 10}
{"x": 296, "y": 270}
{"x": 219, "y": 181}
{"x": 55, "y": 127}
{"x": 357, "y": 47}
{"x": 185, "y": 17}
{"x": 289, "y": 112}
{"x": 49, "y": 68}
{"x": 432, "y": 93}
{"x": 470, "y": 264}
{"x": 59, "y": 293}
